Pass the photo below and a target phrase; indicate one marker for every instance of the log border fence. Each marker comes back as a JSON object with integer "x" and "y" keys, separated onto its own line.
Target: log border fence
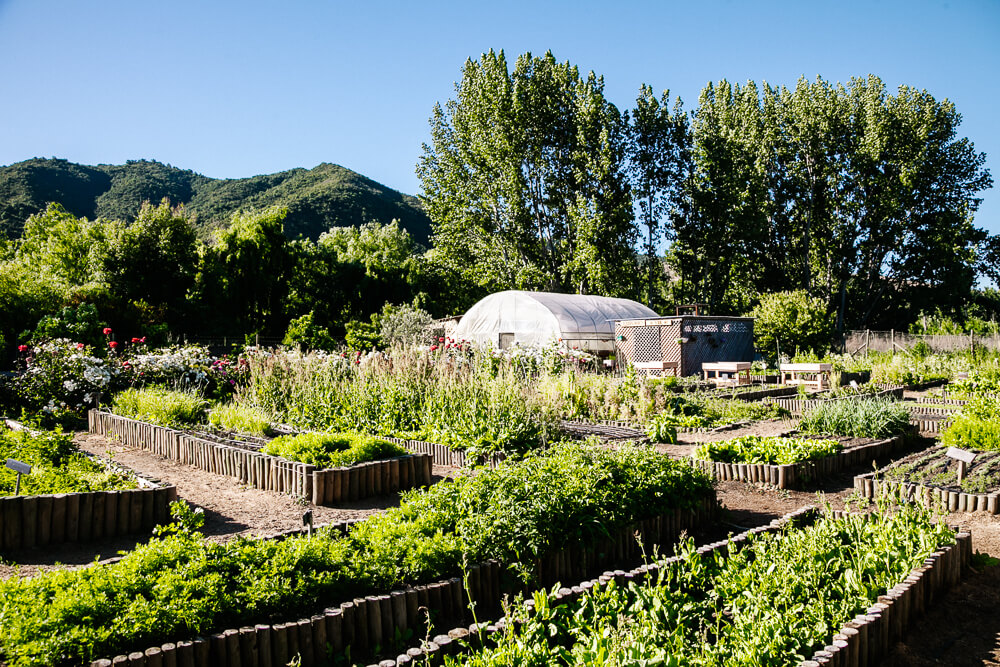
{"x": 870, "y": 485}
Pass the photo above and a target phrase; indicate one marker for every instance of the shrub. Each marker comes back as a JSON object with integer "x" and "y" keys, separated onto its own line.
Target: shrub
{"x": 857, "y": 418}
{"x": 161, "y": 406}
{"x": 788, "y": 322}
{"x": 303, "y": 331}
{"x": 333, "y": 450}
{"x": 406, "y": 326}
{"x": 240, "y": 418}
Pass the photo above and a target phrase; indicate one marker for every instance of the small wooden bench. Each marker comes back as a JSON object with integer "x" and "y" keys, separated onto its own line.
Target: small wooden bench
{"x": 810, "y": 375}
{"x": 726, "y": 373}
{"x": 657, "y": 368}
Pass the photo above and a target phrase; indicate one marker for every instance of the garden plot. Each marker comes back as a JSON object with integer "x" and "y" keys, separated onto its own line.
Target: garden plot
{"x": 67, "y": 496}
{"x": 245, "y": 462}
{"x": 930, "y": 476}
{"x": 523, "y": 516}
{"x": 756, "y": 598}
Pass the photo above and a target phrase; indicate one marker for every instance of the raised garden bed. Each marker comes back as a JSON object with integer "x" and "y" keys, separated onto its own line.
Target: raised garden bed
{"x": 243, "y": 462}
{"x": 796, "y": 475}
{"x": 798, "y": 406}
{"x": 863, "y": 640}
{"x": 930, "y": 477}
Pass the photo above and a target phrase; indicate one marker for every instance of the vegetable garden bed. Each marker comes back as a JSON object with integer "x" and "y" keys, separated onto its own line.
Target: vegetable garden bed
{"x": 243, "y": 462}
{"x": 930, "y": 477}
{"x": 798, "y": 406}
{"x": 795, "y": 475}
{"x": 181, "y": 585}
{"x": 574, "y": 618}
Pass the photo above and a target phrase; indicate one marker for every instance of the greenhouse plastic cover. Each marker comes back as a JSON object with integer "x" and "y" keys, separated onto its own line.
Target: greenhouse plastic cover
{"x": 536, "y": 318}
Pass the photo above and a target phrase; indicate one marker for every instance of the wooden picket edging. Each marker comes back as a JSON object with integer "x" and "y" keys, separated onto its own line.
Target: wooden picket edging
{"x": 38, "y": 521}
{"x": 798, "y": 406}
{"x": 863, "y": 641}
{"x": 929, "y": 424}
{"x": 442, "y": 455}
{"x": 372, "y": 621}
{"x": 263, "y": 471}
{"x": 793, "y": 475}
{"x": 871, "y": 485}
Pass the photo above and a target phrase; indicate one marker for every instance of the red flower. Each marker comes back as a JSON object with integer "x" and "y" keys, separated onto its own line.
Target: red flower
{"x": 107, "y": 331}
{"x": 22, "y": 348}
{"x": 433, "y": 347}
{"x": 135, "y": 340}
{"x": 113, "y": 344}
{"x": 440, "y": 339}
{"x": 79, "y": 346}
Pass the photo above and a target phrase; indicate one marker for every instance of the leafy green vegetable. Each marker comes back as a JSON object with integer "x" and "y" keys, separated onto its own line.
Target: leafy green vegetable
{"x": 161, "y": 406}
{"x": 56, "y": 466}
{"x": 333, "y": 450}
{"x": 765, "y": 449}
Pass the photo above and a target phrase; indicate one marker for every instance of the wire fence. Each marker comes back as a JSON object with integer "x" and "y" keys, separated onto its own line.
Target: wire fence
{"x": 867, "y": 340}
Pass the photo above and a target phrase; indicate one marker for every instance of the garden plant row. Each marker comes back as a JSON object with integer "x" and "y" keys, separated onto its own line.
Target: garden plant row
{"x": 263, "y": 471}
{"x": 528, "y": 517}
{"x": 754, "y": 599}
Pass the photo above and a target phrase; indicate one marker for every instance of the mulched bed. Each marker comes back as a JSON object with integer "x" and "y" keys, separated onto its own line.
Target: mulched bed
{"x": 931, "y": 467}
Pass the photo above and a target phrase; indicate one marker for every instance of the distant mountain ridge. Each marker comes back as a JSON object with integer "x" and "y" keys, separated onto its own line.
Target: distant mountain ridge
{"x": 319, "y": 198}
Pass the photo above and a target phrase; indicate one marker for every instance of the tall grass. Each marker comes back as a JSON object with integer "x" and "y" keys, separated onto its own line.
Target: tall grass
{"x": 161, "y": 406}
{"x": 461, "y": 401}
{"x": 857, "y": 418}
{"x": 241, "y": 418}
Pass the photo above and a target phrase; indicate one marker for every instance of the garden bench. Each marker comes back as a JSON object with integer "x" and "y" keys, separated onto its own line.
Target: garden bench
{"x": 727, "y": 373}
{"x": 811, "y": 375}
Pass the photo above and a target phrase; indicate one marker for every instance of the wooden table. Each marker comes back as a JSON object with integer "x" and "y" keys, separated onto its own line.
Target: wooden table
{"x": 726, "y": 373}
{"x": 811, "y": 375}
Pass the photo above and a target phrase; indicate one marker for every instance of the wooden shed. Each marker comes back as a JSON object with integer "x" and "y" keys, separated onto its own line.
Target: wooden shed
{"x": 681, "y": 344}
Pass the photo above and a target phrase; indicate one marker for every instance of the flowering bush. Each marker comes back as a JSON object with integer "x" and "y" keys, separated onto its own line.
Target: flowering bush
{"x": 59, "y": 380}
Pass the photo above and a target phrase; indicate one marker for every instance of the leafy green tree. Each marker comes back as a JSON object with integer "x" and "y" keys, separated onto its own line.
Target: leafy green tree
{"x": 150, "y": 264}
{"x": 788, "y": 323}
{"x": 524, "y": 179}
{"x": 63, "y": 247}
{"x": 243, "y": 282}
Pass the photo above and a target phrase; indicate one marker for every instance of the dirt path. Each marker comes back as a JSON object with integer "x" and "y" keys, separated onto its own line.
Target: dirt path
{"x": 230, "y": 509}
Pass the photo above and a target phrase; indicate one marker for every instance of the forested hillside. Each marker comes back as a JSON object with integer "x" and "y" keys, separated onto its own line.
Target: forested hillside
{"x": 316, "y": 199}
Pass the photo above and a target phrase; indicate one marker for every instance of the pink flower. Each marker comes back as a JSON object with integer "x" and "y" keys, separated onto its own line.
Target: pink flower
{"x": 142, "y": 340}
{"x": 79, "y": 346}
{"x": 440, "y": 339}
{"x": 433, "y": 347}
{"x": 107, "y": 331}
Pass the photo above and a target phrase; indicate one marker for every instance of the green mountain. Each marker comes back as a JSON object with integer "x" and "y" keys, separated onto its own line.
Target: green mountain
{"x": 326, "y": 196}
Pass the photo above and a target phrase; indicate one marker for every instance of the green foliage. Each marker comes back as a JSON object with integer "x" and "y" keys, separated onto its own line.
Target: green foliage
{"x": 240, "y": 418}
{"x": 663, "y": 428}
{"x": 976, "y": 426}
{"x": 934, "y": 468}
{"x": 766, "y": 602}
{"x": 333, "y": 450}
{"x": 788, "y": 322}
{"x": 304, "y": 332}
{"x": 56, "y": 466}
{"x": 82, "y": 324}
{"x": 180, "y": 584}
{"x": 161, "y": 406}
{"x": 858, "y": 418}
{"x": 363, "y": 335}
{"x": 525, "y": 181}
{"x": 767, "y": 449}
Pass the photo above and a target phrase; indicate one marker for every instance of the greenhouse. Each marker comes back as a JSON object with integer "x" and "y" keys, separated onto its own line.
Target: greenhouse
{"x": 536, "y": 318}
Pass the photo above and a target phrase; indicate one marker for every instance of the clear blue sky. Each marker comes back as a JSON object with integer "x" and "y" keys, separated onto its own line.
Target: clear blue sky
{"x": 233, "y": 89}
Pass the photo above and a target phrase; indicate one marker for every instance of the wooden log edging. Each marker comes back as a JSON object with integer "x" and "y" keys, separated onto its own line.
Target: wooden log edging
{"x": 793, "y": 475}
{"x": 45, "y": 520}
{"x": 332, "y": 486}
{"x": 442, "y": 455}
{"x": 872, "y": 485}
{"x": 263, "y": 471}
{"x": 929, "y": 424}
{"x": 862, "y": 641}
{"x": 366, "y": 622}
